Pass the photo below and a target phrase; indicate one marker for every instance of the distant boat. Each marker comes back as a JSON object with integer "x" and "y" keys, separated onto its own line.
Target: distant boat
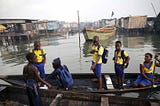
{"x": 103, "y": 33}
{"x": 2, "y": 28}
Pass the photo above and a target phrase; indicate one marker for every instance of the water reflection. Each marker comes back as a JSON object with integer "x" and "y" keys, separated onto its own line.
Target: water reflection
{"x": 88, "y": 44}
{"x": 156, "y": 43}
{"x": 12, "y": 57}
{"x": 140, "y": 41}
{"x": 137, "y": 46}
{"x": 87, "y": 48}
{"x": 133, "y": 42}
{"x": 14, "y": 53}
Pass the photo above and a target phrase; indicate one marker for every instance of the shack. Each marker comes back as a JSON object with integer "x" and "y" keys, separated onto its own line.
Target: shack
{"x": 46, "y": 27}
{"x": 16, "y": 29}
{"x": 132, "y": 24}
{"x": 157, "y": 24}
{"x": 17, "y": 25}
{"x": 150, "y": 24}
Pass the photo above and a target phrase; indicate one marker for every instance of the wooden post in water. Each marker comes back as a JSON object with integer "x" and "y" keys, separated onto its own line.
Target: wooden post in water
{"x": 79, "y": 29}
{"x": 79, "y": 33}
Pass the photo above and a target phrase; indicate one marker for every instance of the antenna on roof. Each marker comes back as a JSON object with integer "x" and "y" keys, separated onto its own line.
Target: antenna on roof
{"x": 112, "y": 14}
{"x": 154, "y": 9}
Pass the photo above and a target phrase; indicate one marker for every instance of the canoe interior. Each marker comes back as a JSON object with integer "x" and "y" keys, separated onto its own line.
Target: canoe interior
{"x": 83, "y": 82}
{"x": 18, "y": 95}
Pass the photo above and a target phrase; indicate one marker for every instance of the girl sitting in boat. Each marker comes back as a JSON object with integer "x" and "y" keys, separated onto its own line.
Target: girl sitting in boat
{"x": 146, "y": 71}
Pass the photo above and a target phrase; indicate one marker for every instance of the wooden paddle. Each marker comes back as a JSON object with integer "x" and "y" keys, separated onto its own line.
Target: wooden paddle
{"x": 56, "y": 99}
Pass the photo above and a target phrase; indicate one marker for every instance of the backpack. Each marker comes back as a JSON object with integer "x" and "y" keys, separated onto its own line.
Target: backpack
{"x": 104, "y": 55}
{"x": 124, "y": 58}
{"x": 65, "y": 77}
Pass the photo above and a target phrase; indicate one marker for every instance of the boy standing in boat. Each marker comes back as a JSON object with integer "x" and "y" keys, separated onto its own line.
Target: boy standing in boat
{"x": 121, "y": 60}
{"x": 31, "y": 77}
{"x": 146, "y": 71}
{"x": 41, "y": 58}
{"x": 97, "y": 51}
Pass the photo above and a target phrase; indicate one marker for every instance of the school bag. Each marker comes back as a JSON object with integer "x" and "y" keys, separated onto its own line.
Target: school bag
{"x": 124, "y": 58}
{"x": 104, "y": 55}
{"x": 65, "y": 77}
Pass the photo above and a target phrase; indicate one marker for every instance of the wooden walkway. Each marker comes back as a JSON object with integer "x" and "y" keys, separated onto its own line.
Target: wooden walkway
{"x": 13, "y": 35}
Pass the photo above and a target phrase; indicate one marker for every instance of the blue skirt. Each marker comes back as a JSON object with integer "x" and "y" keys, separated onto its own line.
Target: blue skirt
{"x": 141, "y": 80}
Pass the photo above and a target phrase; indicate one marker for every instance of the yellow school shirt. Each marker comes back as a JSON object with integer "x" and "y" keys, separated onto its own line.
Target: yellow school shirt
{"x": 39, "y": 53}
{"x": 98, "y": 52}
{"x": 151, "y": 69}
{"x": 118, "y": 57}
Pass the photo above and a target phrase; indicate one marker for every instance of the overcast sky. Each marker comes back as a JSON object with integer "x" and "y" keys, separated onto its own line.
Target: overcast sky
{"x": 66, "y": 10}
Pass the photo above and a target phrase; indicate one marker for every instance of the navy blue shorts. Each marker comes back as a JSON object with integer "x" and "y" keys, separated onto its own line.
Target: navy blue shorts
{"x": 97, "y": 70}
{"x": 33, "y": 93}
{"x": 119, "y": 70}
{"x": 40, "y": 67}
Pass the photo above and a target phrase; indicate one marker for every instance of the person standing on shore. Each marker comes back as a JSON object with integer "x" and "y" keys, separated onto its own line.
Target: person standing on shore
{"x": 31, "y": 77}
{"x": 41, "y": 58}
{"x": 97, "y": 51}
{"x": 121, "y": 60}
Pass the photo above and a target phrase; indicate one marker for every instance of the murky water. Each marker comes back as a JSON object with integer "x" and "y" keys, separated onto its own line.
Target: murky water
{"x": 75, "y": 56}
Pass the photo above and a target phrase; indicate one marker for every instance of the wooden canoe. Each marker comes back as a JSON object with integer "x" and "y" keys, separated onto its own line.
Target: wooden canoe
{"x": 103, "y": 33}
{"x": 83, "y": 82}
{"x": 16, "y": 95}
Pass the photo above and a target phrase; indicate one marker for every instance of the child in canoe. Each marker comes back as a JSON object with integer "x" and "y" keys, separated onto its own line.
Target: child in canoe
{"x": 145, "y": 78}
